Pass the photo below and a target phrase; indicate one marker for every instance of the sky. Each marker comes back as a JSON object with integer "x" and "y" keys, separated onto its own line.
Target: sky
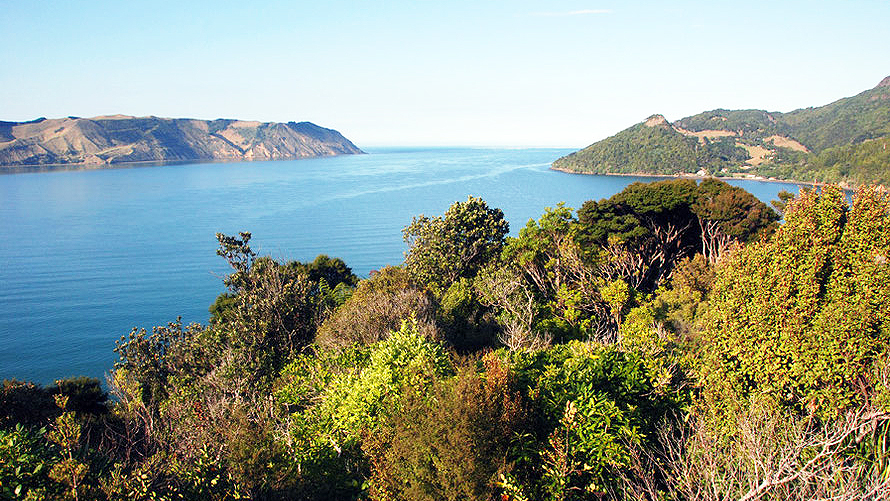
{"x": 560, "y": 73}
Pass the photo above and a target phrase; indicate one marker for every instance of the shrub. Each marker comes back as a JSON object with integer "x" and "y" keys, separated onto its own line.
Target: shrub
{"x": 341, "y": 397}
{"x": 25, "y": 461}
{"x": 801, "y": 319}
{"x": 377, "y": 306}
{"x": 451, "y": 442}
{"x": 595, "y": 406}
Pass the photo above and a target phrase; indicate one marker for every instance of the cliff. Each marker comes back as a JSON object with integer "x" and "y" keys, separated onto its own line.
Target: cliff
{"x": 120, "y": 139}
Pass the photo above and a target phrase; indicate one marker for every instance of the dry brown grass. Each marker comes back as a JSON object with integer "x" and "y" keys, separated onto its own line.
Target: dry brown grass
{"x": 705, "y": 134}
{"x": 786, "y": 142}
{"x": 757, "y": 154}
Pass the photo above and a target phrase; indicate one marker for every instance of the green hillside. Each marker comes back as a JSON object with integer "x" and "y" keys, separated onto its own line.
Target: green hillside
{"x": 842, "y": 142}
{"x": 751, "y": 122}
{"x": 653, "y": 147}
{"x": 863, "y": 163}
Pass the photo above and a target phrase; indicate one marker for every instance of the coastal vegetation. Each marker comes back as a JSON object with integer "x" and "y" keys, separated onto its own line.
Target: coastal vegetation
{"x": 842, "y": 142}
{"x": 673, "y": 341}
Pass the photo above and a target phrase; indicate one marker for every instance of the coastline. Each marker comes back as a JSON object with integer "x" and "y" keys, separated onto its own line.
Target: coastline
{"x": 23, "y": 168}
{"x": 748, "y": 177}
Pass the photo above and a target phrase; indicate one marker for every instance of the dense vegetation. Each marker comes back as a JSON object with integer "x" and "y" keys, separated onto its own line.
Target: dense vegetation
{"x": 655, "y": 149}
{"x": 670, "y": 342}
{"x": 844, "y": 141}
{"x": 858, "y": 164}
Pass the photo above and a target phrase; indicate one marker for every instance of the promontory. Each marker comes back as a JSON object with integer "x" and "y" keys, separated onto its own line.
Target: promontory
{"x": 121, "y": 139}
{"x": 842, "y": 142}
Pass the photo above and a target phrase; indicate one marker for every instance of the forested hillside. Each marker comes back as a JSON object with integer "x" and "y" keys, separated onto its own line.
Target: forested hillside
{"x": 672, "y": 342}
{"x": 842, "y": 142}
{"x": 654, "y": 147}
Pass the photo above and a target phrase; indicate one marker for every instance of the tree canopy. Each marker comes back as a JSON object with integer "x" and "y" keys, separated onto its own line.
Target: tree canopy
{"x": 444, "y": 249}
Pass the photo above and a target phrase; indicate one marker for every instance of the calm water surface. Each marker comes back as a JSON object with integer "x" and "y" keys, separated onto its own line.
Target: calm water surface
{"x": 86, "y": 255}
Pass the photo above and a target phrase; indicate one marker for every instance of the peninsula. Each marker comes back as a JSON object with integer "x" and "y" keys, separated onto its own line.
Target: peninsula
{"x": 119, "y": 139}
{"x": 843, "y": 142}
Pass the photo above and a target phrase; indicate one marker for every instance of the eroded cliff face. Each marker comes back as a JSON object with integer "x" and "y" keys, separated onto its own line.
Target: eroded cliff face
{"x": 119, "y": 139}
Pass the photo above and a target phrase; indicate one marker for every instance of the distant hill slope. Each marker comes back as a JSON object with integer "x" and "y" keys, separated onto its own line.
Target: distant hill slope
{"x": 119, "y": 139}
{"x": 845, "y": 141}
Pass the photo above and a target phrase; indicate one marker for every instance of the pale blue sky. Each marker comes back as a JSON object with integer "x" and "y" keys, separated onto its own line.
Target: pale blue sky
{"x": 497, "y": 73}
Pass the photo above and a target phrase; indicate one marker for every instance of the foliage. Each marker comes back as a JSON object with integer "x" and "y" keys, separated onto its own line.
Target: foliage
{"x": 801, "y": 319}
{"x": 149, "y": 361}
{"x": 404, "y": 361}
{"x": 845, "y": 141}
{"x": 728, "y": 214}
{"x": 377, "y": 306}
{"x": 196, "y": 394}
{"x": 516, "y": 304}
{"x": 70, "y": 471}
{"x": 451, "y": 442}
{"x": 323, "y": 469}
{"x": 857, "y": 164}
{"x": 544, "y": 286}
{"x": 641, "y": 149}
{"x": 276, "y": 307}
{"x": 25, "y": 460}
{"x": 850, "y": 120}
{"x": 595, "y": 404}
{"x": 342, "y": 396}
{"x": 34, "y": 405}
{"x": 683, "y": 303}
{"x": 765, "y": 351}
{"x": 465, "y": 318}
{"x": 648, "y": 228}
{"x": 784, "y": 197}
{"x": 643, "y": 230}
{"x": 455, "y": 245}
{"x": 748, "y": 122}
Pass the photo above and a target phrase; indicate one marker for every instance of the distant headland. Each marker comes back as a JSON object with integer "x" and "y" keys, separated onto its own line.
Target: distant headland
{"x": 116, "y": 139}
{"x": 844, "y": 142}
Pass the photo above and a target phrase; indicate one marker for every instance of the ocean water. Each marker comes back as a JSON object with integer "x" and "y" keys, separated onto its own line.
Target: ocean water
{"x": 86, "y": 255}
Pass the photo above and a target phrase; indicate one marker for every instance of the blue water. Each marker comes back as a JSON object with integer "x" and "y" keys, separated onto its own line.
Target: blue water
{"x": 86, "y": 255}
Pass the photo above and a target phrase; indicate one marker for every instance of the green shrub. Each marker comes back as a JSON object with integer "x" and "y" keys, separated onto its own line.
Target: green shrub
{"x": 377, "y": 306}
{"x": 25, "y": 462}
{"x": 595, "y": 406}
{"x": 802, "y": 318}
{"x": 451, "y": 442}
{"x": 339, "y": 399}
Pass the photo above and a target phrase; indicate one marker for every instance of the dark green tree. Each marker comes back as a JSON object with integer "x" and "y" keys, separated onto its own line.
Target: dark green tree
{"x": 728, "y": 214}
{"x": 644, "y": 230}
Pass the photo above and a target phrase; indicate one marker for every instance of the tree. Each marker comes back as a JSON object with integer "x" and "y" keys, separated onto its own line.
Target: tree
{"x": 728, "y": 214}
{"x": 516, "y": 303}
{"x": 645, "y": 229}
{"x": 377, "y": 307}
{"x": 452, "y": 441}
{"x": 275, "y": 306}
{"x": 785, "y": 196}
{"x": 456, "y": 245}
{"x": 648, "y": 228}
